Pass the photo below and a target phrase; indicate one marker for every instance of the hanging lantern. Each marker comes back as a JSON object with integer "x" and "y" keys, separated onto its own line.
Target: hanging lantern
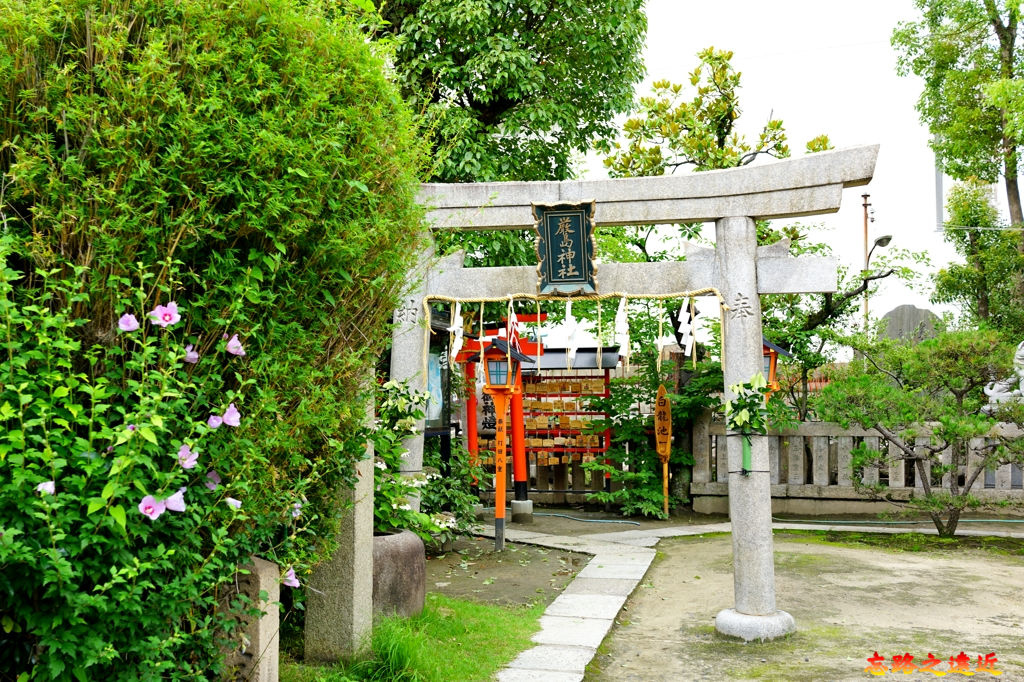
{"x": 502, "y": 367}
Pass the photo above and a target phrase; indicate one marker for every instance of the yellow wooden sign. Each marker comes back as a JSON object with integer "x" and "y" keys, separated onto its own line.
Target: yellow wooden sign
{"x": 663, "y": 424}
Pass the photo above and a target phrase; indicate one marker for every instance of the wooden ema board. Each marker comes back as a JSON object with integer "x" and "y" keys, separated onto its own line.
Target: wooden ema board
{"x": 557, "y": 423}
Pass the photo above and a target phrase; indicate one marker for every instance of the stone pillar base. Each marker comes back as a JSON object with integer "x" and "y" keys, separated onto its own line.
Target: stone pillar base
{"x": 522, "y": 511}
{"x": 479, "y": 513}
{"x": 748, "y": 628}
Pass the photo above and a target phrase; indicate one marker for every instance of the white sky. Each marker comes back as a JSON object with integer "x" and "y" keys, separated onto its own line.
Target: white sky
{"x": 821, "y": 67}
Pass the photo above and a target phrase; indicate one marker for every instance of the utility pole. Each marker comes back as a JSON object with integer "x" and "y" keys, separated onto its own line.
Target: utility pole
{"x": 866, "y": 205}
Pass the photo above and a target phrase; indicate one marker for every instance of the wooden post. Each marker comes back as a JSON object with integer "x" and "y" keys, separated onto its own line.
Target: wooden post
{"x": 500, "y": 409}
{"x": 519, "y": 469}
{"x": 663, "y": 437}
{"x": 472, "y": 444}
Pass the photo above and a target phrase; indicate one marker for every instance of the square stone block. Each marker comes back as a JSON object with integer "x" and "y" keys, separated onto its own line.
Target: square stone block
{"x": 585, "y": 632}
{"x": 602, "y": 586}
{"x": 573, "y": 659}
{"x": 586, "y": 606}
{"x": 517, "y": 675}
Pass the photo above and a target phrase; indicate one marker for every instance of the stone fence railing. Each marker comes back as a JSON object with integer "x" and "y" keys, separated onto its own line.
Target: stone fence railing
{"x": 811, "y": 472}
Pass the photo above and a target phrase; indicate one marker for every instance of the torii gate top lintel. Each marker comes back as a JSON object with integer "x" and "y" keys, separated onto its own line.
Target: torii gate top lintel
{"x": 789, "y": 188}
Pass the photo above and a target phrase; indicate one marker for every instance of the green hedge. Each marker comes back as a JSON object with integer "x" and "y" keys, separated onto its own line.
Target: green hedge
{"x": 249, "y": 161}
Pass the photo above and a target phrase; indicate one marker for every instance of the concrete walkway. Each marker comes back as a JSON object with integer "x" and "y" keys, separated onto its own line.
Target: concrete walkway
{"x": 575, "y": 624}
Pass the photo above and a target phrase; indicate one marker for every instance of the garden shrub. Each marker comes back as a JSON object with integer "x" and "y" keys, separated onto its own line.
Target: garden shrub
{"x": 249, "y": 162}
{"x": 632, "y": 462}
{"x": 446, "y": 505}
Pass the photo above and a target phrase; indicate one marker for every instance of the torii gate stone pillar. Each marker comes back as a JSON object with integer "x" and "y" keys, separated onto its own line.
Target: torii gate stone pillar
{"x": 737, "y": 267}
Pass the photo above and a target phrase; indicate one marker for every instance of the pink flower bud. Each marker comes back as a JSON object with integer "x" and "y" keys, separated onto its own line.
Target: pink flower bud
{"x": 127, "y": 323}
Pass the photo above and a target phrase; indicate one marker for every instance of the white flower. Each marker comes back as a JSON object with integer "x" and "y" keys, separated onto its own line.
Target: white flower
{"x": 444, "y": 520}
{"x": 380, "y": 465}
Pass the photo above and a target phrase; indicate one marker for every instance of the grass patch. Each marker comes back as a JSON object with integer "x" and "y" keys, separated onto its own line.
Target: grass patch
{"x": 905, "y": 542}
{"x": 452, "y": 639}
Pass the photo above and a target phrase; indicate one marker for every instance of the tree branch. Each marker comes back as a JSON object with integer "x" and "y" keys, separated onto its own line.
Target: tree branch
{"x": 908, "y": 451}
{"x": 836, "y": 304}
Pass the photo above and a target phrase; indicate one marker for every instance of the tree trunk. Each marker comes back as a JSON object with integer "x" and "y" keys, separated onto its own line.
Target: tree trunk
{"x": 951, "y": 523}
{"x": 939, "y": 525}
{"x": 1013, "y": 193}
{"x": 804, "y": 393}
{"x": 1007, "y": 36}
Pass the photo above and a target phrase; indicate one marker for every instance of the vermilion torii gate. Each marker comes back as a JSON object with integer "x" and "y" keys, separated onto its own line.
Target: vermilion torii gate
{"x": 740, "y": 270}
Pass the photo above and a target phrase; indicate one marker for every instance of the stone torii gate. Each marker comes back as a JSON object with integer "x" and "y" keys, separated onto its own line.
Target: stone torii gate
{"x": 733, "y": 199}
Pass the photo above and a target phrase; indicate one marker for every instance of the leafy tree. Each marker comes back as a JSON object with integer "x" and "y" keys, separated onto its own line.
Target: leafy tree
{"x": 671, "y": 132}
{"x": 925, "y": 399}
{"x": 676, "y": 128}
{"x": 249, "y": 161}
{"x": 991, "y": 260}
{"x": 961, "y": 48}
{"x": 513, "y": 90}
{"x": 811, "y": 326}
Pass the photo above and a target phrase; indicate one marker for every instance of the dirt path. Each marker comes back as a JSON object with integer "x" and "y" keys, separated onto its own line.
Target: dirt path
{"x": 848, "y": 603}
{"x": 520, "y": 574}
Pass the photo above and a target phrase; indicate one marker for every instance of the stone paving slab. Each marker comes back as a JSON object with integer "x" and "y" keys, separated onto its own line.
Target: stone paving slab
{"x": 518, "y": 675}
{"x": 654, "y": 534}
{"x": 586, "y": 605}
{"x": 572, "y": 631}
{"x": 680, "y": 531}
{"x": 596, "y": 569}
{"x": 583, "y": 544}
{"x": 556, "y": 658}
{"x": 649, "y": 541}
{"x": 622, "y": 536}
{"x": 616, "y": 587}
{"x": 625, "y": 557}
{"x": 566, "y": 542}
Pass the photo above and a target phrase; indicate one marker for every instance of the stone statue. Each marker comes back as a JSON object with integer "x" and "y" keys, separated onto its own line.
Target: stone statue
{"x": 1011, "y": 388}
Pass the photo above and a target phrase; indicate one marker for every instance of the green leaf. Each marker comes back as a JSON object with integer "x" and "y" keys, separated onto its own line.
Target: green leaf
{"x": 95, "y": 505}
{"x": 108, "y": 490}
{"x": 355, "y": 184}
{"x": 117, "y": 512}
{"x": 148, "y": 434}
{"x": 299, "y": 172}
{"x": 60, "y": 391}
{"x": 158, "y": 421}
{"x": 7, "y": 623}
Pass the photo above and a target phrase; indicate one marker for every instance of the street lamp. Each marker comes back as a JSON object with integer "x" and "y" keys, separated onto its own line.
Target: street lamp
{"x": 502, "y": 378}
{"x": 881, "y": 241}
